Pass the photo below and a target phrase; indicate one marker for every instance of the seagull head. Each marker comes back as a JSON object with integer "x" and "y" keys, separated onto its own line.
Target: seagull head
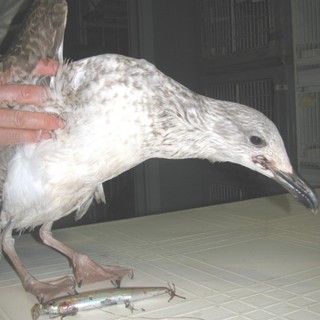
{"x": 249, "y": 138}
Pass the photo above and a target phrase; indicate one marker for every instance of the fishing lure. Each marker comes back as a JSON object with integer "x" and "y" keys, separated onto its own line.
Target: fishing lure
{"x": 71, "y": 305}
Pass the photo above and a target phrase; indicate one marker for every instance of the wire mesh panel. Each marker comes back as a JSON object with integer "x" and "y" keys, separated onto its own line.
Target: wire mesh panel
{"x": 306, "y": 28}
{"x": 222, "y": 91}
{"x": 306, "y": 34}
{"x": 252, "y": 24}
{"x": 258, "y": 94}
{"x": 216, "y": 28}
{"x": 309, "y": 124}
{"x": 220, "y": 193}
{"x": 103, "y": 25}
{"x": 230, "y": 26}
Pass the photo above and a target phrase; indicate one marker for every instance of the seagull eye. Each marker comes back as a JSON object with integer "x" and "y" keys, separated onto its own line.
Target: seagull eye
{"x": 257, "y": 141}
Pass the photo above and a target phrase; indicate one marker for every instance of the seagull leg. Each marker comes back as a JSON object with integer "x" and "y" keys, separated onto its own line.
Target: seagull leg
{"x": 44, "y": 291}
{"x": 85, "y": 270}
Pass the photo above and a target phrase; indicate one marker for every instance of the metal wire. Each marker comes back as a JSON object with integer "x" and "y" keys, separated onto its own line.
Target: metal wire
{"x": 231, "y": 26}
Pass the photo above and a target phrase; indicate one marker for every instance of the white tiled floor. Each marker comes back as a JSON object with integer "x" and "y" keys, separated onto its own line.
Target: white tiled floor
{"x": 253, "y": 260}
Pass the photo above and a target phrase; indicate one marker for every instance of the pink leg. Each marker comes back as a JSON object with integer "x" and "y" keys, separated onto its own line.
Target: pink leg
{"x": 85, "y": 270}
{"x": 44, "y": 291}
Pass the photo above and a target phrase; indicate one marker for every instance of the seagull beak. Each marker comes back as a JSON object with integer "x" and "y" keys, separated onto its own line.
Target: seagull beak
{"x": 297, "y": 187}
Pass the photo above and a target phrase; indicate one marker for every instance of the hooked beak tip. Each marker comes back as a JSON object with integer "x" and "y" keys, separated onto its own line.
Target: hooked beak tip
{"x": 299, "y": 189}
{"x": 296, "y": 186}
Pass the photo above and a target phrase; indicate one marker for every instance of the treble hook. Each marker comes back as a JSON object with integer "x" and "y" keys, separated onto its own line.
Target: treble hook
{"x": 172, "y": 292}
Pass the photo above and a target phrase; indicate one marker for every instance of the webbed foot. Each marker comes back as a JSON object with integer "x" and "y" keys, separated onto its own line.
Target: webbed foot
{"x": 45, "y": 291}
{"x": 88, "y": 271}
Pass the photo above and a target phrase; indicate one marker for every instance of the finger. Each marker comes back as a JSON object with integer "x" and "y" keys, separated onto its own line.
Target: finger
{"x": 10, "y": 118}
{"x": 13, "y": 136}
{"x": 46, "y": 68}
{"x": 23, "y": 94}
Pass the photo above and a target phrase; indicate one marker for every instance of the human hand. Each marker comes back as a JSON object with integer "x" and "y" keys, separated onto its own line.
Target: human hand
{"x": 18, "y": 126}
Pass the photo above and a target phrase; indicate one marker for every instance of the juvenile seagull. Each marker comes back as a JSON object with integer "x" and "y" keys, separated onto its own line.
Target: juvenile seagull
{"x": 120, "y": 112}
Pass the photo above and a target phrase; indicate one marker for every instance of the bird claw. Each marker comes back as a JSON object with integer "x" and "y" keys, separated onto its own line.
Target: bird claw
{"x": 117, "y": 283}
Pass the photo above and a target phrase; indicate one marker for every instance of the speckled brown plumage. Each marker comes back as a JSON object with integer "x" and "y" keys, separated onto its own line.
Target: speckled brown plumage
{"x": 39, "y": 38}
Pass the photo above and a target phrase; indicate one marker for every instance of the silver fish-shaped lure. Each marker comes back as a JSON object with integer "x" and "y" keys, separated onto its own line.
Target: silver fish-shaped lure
{"x": 71, "y": 305}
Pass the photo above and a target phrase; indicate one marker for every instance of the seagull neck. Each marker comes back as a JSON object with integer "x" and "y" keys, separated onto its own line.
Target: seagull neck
{"x": 182, "y": 129}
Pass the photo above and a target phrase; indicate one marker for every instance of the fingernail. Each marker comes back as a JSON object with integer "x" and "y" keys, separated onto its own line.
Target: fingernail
{"x": 45, "y": 135}
{"x": 60, "y": 122}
